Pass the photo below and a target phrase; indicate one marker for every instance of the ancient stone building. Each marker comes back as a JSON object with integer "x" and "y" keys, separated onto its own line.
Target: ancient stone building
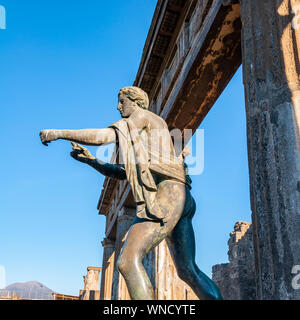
{"x": 236, "y": 279}
{"x": 60, "y": 296}
{"x": 192, "y": 50}
{"x": 91, "y": 285}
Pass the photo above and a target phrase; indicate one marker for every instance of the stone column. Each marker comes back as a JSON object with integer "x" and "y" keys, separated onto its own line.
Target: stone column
{"x": 107, "y": 269}
{"x": 91, "y": 285}
{"x": 271, "y": 67}
{"x": 125, "y": 217}
{"x": 91, "y": 280}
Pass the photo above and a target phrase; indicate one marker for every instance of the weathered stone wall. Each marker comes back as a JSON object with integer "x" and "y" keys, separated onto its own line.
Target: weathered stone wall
{"x": 236, "y": 279}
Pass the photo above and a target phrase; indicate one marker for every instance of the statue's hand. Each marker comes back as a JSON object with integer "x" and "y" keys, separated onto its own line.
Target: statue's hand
{"x": 80, "y": 153}
{"x": 47, "y": 136}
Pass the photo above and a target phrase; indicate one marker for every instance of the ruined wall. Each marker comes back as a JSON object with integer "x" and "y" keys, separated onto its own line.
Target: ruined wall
{"x": 236, "y": 279}
{"x": 91, "y": 285}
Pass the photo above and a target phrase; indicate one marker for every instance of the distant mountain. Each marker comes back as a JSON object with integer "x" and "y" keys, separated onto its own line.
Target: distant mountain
{"x": 28, "y": 290}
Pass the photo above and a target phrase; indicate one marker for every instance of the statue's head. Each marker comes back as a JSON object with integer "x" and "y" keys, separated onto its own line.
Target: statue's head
{"x": 131, "y": 98}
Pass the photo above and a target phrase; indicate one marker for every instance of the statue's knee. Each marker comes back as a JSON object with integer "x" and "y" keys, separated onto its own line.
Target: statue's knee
{"x": 124, "y": 265}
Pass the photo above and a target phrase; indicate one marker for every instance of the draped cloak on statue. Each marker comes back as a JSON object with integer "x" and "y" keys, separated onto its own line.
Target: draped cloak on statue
{"x": 140, "y": 160}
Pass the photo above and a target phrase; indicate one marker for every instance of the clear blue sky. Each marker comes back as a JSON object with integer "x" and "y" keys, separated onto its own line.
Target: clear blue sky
{"x": 62, "y": 64}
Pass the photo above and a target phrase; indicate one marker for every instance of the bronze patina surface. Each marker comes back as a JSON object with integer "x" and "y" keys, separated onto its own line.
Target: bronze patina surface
{"x": 161, "y": 189}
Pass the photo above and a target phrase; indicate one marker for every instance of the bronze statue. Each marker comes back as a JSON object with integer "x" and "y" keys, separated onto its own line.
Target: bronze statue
{"x": 161, "y": 188}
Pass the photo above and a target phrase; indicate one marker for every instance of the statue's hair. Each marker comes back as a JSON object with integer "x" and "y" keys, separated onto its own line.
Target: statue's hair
{"x": 137, "y": 95}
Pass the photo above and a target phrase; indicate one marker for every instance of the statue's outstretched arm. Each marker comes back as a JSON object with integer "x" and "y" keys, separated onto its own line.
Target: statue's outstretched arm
{"x": 107, "y": 169}
{"x": 91, "y": 137}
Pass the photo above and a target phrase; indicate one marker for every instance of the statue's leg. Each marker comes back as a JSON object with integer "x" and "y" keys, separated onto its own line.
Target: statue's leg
{"x": 181, "y": 243}
{"x": 144, "y": 235}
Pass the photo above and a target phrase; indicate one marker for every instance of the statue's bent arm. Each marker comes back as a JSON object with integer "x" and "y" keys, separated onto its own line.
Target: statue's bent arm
{"x": 83, "y": 155}
{"x": 108, "y": 169}
{"x": 91, "y": 137}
